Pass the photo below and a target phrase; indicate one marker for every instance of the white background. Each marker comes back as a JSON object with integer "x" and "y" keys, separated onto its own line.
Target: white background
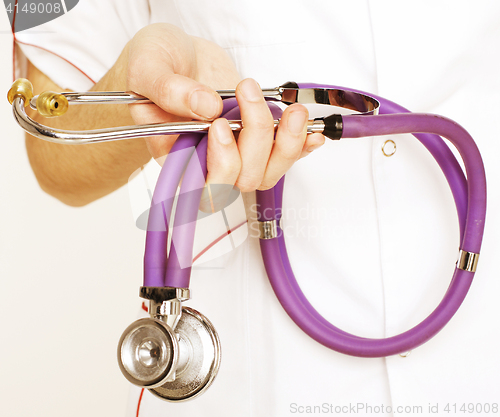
{"x": 66, "y": 291}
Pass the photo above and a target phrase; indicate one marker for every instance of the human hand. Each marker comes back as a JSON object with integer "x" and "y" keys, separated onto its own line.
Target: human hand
{"x": 179, "y": 73}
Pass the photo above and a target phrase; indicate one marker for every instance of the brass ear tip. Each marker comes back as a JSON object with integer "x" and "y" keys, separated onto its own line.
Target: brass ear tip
{"x": 51, "y": 104}
{"x": 21, "y": 88}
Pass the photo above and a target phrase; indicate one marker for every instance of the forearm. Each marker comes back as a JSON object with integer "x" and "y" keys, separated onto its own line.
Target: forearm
{"x": 80, "y": 174}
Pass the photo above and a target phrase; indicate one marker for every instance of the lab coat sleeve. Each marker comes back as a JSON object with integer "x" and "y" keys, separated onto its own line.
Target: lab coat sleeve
{"x": 76, "y": 49}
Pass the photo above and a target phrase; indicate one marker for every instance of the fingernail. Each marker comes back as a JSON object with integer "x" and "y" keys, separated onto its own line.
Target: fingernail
{"x": 296, "y": 122}
{"x": 251, "y": 90}
{"x": 222, "y": 132}
{"x": 204, "y": 104}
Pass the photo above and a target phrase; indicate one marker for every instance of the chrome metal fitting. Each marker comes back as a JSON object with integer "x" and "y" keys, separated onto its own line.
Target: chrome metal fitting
{"x": 168, "y": 311}
{"x": 165, "y": 303}
{"x": 268, "y": 229}
{"x": 467, "y": 261}
{"x": 316, "y": 125}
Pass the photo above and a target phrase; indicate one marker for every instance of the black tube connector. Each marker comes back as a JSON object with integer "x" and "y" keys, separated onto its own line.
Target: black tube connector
{"x": 333, "y": 126}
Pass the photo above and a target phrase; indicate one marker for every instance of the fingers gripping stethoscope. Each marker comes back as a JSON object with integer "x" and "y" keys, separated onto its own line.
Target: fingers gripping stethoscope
{"x": 176, "y": 352}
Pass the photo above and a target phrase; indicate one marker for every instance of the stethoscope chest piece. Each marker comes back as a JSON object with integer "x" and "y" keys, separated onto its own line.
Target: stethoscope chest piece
{"x": 148, "y": 352}
{"x": 199, "y": 359}
{"x": 175, "y": 365}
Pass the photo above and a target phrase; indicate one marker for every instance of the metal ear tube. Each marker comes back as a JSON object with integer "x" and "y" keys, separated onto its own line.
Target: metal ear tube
{"x": 52, "y": 104}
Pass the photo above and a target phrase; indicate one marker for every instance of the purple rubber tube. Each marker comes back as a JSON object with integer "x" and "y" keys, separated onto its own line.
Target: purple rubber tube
{"x": 155, "y": 256}
{"x": 292, "y": 298}
{"x": 274, "y": 250}
{"x": 278, "y": 199}
{"x": 180, "y": 257}
{"x": 177, "y": 273}
{"x": 436, "y": 147}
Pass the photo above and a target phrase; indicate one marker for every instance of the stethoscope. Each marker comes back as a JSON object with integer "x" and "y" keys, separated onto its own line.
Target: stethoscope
{"x": 175, "y": 353}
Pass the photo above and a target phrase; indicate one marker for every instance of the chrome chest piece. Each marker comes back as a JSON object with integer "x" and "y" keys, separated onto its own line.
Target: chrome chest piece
{"x": 175, "y": 353}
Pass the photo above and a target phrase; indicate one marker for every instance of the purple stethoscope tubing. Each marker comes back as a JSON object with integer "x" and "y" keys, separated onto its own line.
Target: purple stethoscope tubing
{"x": 469, "y": 195}
{"x": 157, "y": 271}
{"x": 471, "y": 220}
{"x": 155, "y": 255}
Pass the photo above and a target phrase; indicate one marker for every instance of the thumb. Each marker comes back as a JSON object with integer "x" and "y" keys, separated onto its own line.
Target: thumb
{"x": 162, "y": 65}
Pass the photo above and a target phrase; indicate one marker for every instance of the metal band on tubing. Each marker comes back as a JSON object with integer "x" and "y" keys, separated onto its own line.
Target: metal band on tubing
{"x": 467, "y": 261}
{"x": 268, "y": 229}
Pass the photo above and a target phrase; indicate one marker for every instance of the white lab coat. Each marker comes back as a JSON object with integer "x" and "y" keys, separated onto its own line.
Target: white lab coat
{"x": 372, "y": 239}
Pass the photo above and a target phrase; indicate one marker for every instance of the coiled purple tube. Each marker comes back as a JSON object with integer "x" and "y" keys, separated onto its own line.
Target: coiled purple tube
{"x": 469, "y": 196}
{"x": 471, "y": 221}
